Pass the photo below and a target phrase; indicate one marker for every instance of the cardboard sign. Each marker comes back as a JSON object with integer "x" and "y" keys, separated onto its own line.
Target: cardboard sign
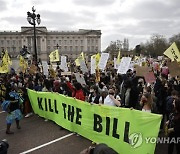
{"x": 141, "y": 70}
{"x": 149, "y": 77}
{"x": 174, "y": 68}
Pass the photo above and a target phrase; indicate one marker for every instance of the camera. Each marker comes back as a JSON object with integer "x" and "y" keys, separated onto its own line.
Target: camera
{"x": 4, "y": 146}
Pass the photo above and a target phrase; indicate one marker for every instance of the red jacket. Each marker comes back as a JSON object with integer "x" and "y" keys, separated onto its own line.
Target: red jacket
{"x": 80, "y": 95}
{"x": 71, "y": 88}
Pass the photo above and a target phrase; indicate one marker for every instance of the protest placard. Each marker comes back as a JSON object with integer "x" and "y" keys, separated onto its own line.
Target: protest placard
{"x": 64, "y": 63}
{"x": 149, "y": 77}
{"x": 116, "y": 63}
{"x": 124, "y": 65}
{"x": 80, "y": 78}
{"x": 131, "y": 66}
{"x": 93, "y": 65}
{"x": 45, "y": 68}
{"x": 83, "y": 66}
{"x": 103, "y": 61}
{"x": 142, "y": 70}
{"x": 174, "y": 68}
{"x": 66, "y": 73}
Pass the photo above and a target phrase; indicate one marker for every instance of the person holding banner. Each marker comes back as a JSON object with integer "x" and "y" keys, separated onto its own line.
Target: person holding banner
{"x": 94, "y": 95}
{"x": 111, "y": 100}
{"x": 103, "y": 96}
{"x": 79, "y": 94}
{"x": 146, "y": 102}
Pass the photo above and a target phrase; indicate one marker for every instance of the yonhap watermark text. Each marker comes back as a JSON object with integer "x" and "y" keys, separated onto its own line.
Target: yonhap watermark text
{"x": 162, "y": 140}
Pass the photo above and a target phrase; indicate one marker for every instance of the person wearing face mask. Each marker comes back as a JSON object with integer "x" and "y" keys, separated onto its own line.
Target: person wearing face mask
{"x": 111, "y": 100}
{"x": 94, "y": 95}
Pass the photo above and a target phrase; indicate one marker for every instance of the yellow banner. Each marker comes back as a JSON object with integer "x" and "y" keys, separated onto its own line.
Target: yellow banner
{"x": 22, "y": 63}
{"x": 173, "y": 52}
{"x": 118, "y": 58}
{"x": 4, "y": 69}
{"x": 97, "y": 58}
{"x": 81, "y": 57}
{"x": 6, "y": 59}
{"x": 54, "y": 56}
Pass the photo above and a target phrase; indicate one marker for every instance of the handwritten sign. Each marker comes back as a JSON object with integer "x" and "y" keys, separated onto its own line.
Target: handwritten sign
{"x": 45, "y": 68}
{"x": 124, "y": 65}
{"x": 103, "y": 61}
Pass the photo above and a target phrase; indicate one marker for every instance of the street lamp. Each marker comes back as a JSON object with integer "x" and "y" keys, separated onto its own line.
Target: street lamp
{"x": 32, "y": 18}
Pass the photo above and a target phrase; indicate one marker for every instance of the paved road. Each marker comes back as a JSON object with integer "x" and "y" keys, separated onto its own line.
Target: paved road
{"x": 36, "y": 132}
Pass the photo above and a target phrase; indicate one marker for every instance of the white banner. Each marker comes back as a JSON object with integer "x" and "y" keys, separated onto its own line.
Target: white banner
{"x": 131, "y": 66}
{"x": 103, "y": 61}
{"x": 124, "y": 65}
{"x": 64, "y": 63}
{"x": 93, "y": 65}
{"x": 45, "y": 68}
{"x": 83, "y": 66}
{"x": 80, "y": 78}
{"x": 15, "y": 64}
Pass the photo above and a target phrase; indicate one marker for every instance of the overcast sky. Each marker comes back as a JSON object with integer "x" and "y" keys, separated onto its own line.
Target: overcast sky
{"x": 136, "y": 20}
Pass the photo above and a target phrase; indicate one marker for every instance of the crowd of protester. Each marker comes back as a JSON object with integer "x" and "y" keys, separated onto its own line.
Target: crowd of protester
{"x": 127, "y": 90}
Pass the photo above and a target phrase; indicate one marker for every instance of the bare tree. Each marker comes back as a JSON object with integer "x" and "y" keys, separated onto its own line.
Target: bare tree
{"x": 176, "y": 39}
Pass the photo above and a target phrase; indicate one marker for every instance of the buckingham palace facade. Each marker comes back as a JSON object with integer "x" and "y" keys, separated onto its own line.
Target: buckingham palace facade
{"x": 69, "y": 43}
